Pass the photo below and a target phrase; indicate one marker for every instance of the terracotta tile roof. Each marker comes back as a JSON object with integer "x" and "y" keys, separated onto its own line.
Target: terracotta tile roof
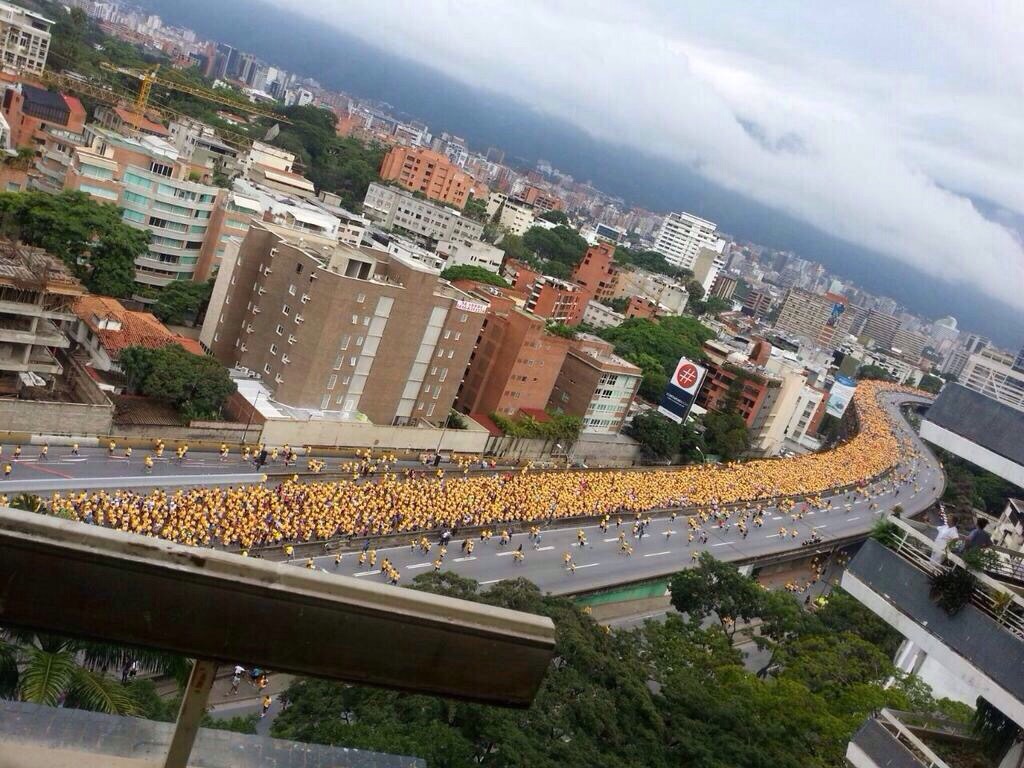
{"x": 487, "y": 423}
{"x": 141, "y": 122}
{"x": 538, "y": 414}
{"x": 137, "y": 328}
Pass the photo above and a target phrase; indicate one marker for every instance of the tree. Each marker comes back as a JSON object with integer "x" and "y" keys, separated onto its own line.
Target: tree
{"x": 725, "y": 429}
{"x": 89, "y": 237}
{"x": 930, "y": 384}
{"x": 476, "y": 209}
{"x": 874, "y": 372}
{"x": 182, "y": 301}
{"x": 716, "y": 589}
{"x": 618, "y": 304}
{"x": 662, "y": 438}
{"x": 196, "y": 385}
{"x": 651, "y": 261}
{"x": 561, "y": 329}
{"x": 561, "y": 244}
{"x": 556, "y": 217}
{"x": 473, "y": 272}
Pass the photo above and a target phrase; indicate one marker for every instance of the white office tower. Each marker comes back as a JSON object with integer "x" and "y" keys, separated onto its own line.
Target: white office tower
{"x": 682, "y": 236}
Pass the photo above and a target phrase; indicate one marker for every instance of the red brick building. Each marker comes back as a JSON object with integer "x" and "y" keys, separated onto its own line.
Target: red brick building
{"x": 596, "y": 384}
{"x": 516, "y": 361}
{"x": 559, "y": 301}
{"x": 429, "y": 172}
{"x": 597, "y": 272}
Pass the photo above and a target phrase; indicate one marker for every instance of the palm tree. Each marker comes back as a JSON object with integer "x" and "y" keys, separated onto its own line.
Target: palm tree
{"x": 59, "y": 671}
{"x": 28, "y": 502}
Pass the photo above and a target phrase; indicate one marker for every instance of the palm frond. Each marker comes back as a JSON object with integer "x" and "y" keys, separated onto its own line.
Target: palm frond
{"x": 104, "y": 656}
{"x": 46, "y": 676}
{"x": 100, "y": 694}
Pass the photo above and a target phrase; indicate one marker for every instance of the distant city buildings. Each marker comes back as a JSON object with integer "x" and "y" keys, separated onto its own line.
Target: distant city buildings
{"x": 24, "y": 40}
{"x": 395, "y": 208}
{"x": 429, "y": 173}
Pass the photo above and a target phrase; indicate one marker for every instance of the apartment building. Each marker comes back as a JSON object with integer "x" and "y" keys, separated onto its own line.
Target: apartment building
{"x": 992, "y": 373}
{"x": 706, "y": 267}
{"x": 475, "y": 253}
{"x": 24, "y": 40}
{"x": 910, "y": 343}
{"x": 597, "y": 272}
{"x": 37, "y": 293}
{"x": 758, "y": 303}
{"x": 599, "y": 315}
{"x": 973, "y": 653}
{"x": 516, "y": 361}
{"x": 681, "y": 237}
{"x": 353, "y": 333}
{"x": 515, "y": 217}
{"x": 820, "y": 318}
{"x": 394, "y": 208}
{"x": 125, "y": 121}
{"x": 724, "y": 287}
{"x": 557, "y": 300}
{"x": 539, "y": 199}
{"x": 596, "y": 385}
{"x": 30, "y": 111}
{"x": 660, "y": 289}
{"x": 431, "y": 173}
{"x": 881, "y": 328}
{"x": 731, "y": 369}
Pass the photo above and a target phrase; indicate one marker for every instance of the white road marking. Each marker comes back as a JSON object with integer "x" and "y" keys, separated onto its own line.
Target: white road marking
{"x": 606, "y": 541}
{"x": 773, "y": 536}
{"x": 588, "y": 565}
{"x": 464, "y": 559}
{"x": 543, "y": 549}
{"x": 777, "y": 517}
{"x": 821, "y": 526}
{"x": 367, "y": 573}
{"x": 723, "y": 544}
{"x": 851, "y": 519}
{"x": 658, "y": 554}
{"x": 418, "y": 565}
{"x": 505, "y": 554}
{"x": 490, "y": 581}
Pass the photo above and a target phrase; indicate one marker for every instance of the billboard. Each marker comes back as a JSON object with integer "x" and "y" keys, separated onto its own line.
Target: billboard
{"x": 840, "y": 396}
{"x": 682, "y": 390}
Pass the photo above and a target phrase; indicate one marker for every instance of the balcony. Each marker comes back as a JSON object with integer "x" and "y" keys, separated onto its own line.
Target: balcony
{"x": 892, "y": 739}
{"x": 979, "y": 651}
{"x": 46, "y": 334}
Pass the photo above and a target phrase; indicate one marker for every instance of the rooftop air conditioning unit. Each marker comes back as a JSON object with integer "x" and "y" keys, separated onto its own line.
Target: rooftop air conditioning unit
{"x": 255, "y": 310}
{"x": 261, "y": 290}
{"x": 300, "y": 319}
{"x": 292, "y": 339}
{"x": 249, "y": 328}
{"x": 278, "y": 379}
{"x": 273, "y": 252}
{"x": 305, "y": 298}
{"x": 285, "y": 359}
{"x": 244, "y": 348}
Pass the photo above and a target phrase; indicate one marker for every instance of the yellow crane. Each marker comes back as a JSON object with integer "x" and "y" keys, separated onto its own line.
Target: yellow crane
{"x": 116, "y": 97}
{"x": 149, "y": 78}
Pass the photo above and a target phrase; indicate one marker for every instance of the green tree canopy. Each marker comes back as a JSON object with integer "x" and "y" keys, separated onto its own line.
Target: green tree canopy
{"x": 662, "y": 438}
{"x": 473, "y": 272}
{"x": 561, "y": 244}
{"x": 556, "y": 217}
{"x": 930, "y": 384}
{"x": 651, "y": 261}
{"x": 875, "y": 372}
{"x": 476, "y": 209}
{"x": 90, "y": 237}
{"x": 196, "y": 385}
{"x": 182, "y": 301}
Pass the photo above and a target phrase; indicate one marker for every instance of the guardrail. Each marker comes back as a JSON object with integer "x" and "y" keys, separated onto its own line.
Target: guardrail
{"x": 888, "y": 720}
{"x": 1001, "y": 604}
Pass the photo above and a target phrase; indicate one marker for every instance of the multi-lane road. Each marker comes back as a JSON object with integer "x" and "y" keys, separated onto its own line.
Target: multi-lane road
{"x": 665, "y": 548}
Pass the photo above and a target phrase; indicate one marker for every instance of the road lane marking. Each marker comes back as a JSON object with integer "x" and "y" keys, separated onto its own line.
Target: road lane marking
{"x": 851, "y": 519}
{"x": 777, "y": 517}
{"x": 606, "y": 541}
{"x": 464, "y": 559}
{"x": 367, "y": 573}
{"x": 723, "y": 544}
{"x": 657, "y": 554}
{"x": 418, "y": 565}
{"x": 773, "y": 536}
{"x": 588, "y": 565}
{"x": 820, "y": 526}
{"x": 505, "y": 554}
{"x": 49, "y": 471}
{"x": 543, "y": 549}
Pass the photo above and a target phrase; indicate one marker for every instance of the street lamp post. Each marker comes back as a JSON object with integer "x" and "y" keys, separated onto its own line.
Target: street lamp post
{"x": 252, "y": 412}
{"x": 444, "y": 428}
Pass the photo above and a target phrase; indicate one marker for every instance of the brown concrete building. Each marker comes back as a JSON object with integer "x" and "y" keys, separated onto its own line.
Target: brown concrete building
{"x": 30, "y": 110}
{"x": 757, "y": 389}
{"x": 596, "y": 385}
{"x": 541, "y": 200}
{"x": 429, "y": 172}
{"x": 822, "y": 318}
{"x": 757, "y": 303}
{"x": 641, "y": 306}
{"x": 332, "y": 328}
{"x": 724, "y": 287}
{"x": 597, "y": 272}
{"x": 516, "y": 360}
{"x": 560, "y": 301}
{"x": 36, "y": 293}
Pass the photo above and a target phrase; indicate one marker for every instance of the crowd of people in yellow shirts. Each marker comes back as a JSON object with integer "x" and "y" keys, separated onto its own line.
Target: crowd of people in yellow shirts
{"x": 390, "y": 502}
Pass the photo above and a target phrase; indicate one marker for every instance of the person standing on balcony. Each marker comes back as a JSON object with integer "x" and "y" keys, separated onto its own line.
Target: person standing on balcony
{"x": 979, "y": 538}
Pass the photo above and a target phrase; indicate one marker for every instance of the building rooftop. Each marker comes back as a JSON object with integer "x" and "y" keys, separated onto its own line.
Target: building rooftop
{"x": 981, "y": 420}
{"x": 22, "y": 266}
{"x": 141, "y": 122}
{"x": 118, "y": 328}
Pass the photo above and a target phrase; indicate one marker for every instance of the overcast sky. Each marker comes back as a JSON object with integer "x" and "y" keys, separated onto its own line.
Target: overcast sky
{"x": 873, "y": 120}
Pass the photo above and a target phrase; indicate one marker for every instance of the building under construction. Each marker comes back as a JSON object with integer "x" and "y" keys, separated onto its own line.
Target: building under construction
{"x": 36, "y": 293}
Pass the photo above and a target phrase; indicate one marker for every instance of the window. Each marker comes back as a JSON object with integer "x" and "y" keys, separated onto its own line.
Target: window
{"x": 266, "y": 368}
{"x": 352, "y": 362}
{"x": 451, "y": 353}
{"x": 298, "y": 269}
{"x": 463, "y": 317}
{"x": 433, "y": 371}
{"x": 360, "y": 298}
{"x": 286, "y": 310}
{"x": 366, "y": 320}
{"x": 426, "y": 390}
{"x": 345, "y": 340}
{"x": 447, "y": 334}
{"x": 359, "y": 341}
{"x": 338, "y": 361}
{"x": 273, "y": 349}
{"x": 355, "y": 319}
{"x": 332, "y": 381}
{"x": 138, "y": 199}
{"x": 291, "y": 290}
{"x": 458, "y": 335}
{"x": 279, "y": 330}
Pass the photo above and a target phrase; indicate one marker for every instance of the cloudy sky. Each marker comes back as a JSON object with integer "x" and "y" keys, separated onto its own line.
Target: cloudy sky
{"x": 877, "y": 121}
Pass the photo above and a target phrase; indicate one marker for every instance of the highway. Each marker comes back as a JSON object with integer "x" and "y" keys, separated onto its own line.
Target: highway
{"x": 665, "y": 549}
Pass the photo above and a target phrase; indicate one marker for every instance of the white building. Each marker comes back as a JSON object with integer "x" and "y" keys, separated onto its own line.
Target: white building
{"x": 395, "y": 208}
{"x": 24, "y": 39}
{"x": 682, "y": 236}
{"x": 708, "y": 264}
{"x": 474, "y": 253}
{"x": 601, "y": 316}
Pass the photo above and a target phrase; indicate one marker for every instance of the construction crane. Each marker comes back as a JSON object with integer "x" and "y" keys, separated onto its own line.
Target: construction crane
{"x": 117, "y": 97}
{"x": 148, "y": 78}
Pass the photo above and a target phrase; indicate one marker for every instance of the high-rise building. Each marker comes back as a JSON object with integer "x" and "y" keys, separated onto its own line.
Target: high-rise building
{"x": 597, "y": 272}
{"x": 595, "y": 384}
{"x": 516, "y": 361}
{"x": 350, "y": 331}
{"x": 881, "y": 327}
{"x": 909, "y": 343}
{"x": 431, "y": 173}
{"x": 24, "y": 40}
{"x": 821, "y": 318}
{"x": 975, "y": 343}
{"x": 682, "y": 236}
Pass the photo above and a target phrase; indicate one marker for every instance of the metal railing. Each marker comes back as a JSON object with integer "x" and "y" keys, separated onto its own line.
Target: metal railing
{"x": 999, "y": 602}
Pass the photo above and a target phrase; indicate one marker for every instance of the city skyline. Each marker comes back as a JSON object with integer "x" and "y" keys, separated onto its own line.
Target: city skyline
{"x": 637, "y": 177}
